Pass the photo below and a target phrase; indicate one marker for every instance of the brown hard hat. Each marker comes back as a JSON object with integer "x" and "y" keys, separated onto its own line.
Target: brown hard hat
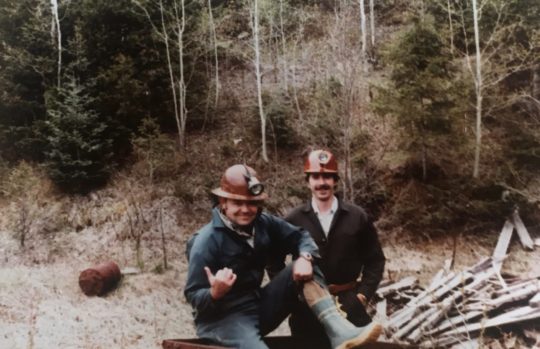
{"x": 320, "y": 161}
{"x": 239, "y": 182}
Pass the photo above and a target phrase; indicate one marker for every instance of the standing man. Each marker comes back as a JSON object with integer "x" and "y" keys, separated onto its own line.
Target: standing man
{"x": 352, "y": 260}
{"x": 227, "y": 258}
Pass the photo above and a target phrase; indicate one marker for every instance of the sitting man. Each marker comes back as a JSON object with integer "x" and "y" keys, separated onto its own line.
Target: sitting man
{"x": 227, "y": 258}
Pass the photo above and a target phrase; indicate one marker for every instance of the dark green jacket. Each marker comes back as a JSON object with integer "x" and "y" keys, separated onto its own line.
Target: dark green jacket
{"x": 217, "y": 247}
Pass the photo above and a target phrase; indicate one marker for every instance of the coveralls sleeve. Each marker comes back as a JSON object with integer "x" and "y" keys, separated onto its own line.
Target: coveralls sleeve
{"x": 374, "y": 262}
{"x": 197, "y": 290}
{"x": 294, "y": 239}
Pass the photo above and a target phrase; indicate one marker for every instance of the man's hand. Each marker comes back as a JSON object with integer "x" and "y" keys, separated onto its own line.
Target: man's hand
{"x": 362, "y": 299}
{"x": 302, "y": 270}
{"x": 221, "y": 283}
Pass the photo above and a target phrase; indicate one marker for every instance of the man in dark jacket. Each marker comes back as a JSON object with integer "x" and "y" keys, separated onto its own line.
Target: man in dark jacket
{"x": 226, "y": 265}
{"x": 352, "y": 260}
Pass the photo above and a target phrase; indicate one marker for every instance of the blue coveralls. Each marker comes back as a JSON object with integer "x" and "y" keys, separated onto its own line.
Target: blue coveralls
{"x": 248, "y": 311}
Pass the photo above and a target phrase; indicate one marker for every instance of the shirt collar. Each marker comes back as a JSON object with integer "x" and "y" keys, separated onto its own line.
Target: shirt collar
{"x": 229, "y": 224}
{"x": 333, "y": 209}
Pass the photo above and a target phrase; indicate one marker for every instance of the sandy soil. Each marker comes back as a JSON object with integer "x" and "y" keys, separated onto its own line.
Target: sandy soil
{"x": 41, "y": 305}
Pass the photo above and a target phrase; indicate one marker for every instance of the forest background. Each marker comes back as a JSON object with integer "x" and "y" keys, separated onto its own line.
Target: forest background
{"x": 118, "y": 117}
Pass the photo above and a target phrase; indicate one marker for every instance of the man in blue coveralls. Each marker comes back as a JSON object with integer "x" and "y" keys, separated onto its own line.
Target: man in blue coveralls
{"x": 227, "y": 258}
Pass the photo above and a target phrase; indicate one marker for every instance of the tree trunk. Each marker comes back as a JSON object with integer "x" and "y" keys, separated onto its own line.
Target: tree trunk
{"x": 181, "y": 25}
{"x": 258, "y": 77}
{"x": 216, "y": 61}
{"x": 171, "y": 74}
{"x": 372, "y": 22}
{"x": 56, "y": 24}
{"x": 478, "y": 90}
{"x": 451, "y": 27}
{"x": 363, "y": 27}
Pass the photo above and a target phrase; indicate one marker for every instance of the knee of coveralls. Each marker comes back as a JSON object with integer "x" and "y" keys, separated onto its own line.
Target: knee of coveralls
{"x": 350, "y": 304}
{"x": 277, "y": 300}
{"x": 238, "y": 329}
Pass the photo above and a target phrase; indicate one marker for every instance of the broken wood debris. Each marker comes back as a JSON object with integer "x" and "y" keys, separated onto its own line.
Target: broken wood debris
{"x": 458, "y": 306}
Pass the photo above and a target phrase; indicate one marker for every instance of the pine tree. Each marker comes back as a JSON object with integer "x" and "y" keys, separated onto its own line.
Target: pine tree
{"x": 79, "y": 153}
{"x": 419, "y": 93}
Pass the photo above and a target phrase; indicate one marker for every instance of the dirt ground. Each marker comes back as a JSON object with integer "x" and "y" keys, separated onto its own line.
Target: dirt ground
{"x": 41, "y": 305}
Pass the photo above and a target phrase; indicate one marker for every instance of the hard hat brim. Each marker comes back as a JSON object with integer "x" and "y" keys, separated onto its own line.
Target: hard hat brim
{"x": 223, "y": 194}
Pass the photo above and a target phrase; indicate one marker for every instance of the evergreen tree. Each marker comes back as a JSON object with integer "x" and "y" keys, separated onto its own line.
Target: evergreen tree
{"x": 419, "y": 90}
{"x": 79, "y": 154}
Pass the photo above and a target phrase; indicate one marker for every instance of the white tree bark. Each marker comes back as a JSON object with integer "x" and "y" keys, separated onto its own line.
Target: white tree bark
{"x": 171, "y": 73}
{"x": 181, "y": 26}
{"x": 372, "y": 21}
{"x": 363, "y": 26}
{"x": 478, "y": 90}
{"x": 56, "y": 27}
{"x": 285, "y": 82}
{"x": 216, "y": 60}
{"x": 450, "y": 25}
{"x": 258, "y": 77}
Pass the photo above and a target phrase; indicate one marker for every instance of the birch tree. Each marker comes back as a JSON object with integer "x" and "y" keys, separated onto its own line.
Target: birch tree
{"x": 363, "y": 33}
{"x": 212, "y": 25}
{"x": 497, "y": 55}
{"x": 478, "y": 83}
{"x": 372, "y": 21}
{"x": 55, "y": 28}
{"x": 257, "y": 63}
{"x": 174, "y": 18}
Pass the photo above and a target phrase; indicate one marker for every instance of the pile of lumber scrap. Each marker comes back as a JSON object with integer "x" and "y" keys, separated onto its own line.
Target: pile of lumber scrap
{"x": 459, "y": 306}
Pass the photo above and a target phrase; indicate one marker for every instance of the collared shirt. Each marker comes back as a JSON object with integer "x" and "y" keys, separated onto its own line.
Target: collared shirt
{"x": 249, "y": 237}
{"x": 327, "y": 217}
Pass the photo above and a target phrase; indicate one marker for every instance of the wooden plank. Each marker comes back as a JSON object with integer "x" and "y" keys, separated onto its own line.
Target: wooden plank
{"x": 515, "y": 296}
{"x": 277, "y": 342}
{"x": 502, "y": 244}
{"x": 523, "y": 234}
{"x": 518, "y": 315}
{"x": 402, "y": 284}
{"x": 535, "y": 301}
{"x": 455, "y": 321}
{"x": 446, "y": 304}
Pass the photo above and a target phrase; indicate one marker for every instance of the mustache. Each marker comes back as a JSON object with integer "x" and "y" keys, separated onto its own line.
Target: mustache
{"x": 323, "y": 187}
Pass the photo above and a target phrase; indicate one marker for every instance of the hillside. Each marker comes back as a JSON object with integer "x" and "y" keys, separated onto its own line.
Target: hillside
{"x": 113, "y": 133}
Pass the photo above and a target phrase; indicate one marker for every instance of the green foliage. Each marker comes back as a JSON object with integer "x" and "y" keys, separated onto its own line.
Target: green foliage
{"x": 78, "y": 153}
{"x": 280, "y": 120}
{"x": 324, "y": 114}
{"x": 27, "y": 65}
{"x": 156, "y": 150}
{"x": 420, "y": 93}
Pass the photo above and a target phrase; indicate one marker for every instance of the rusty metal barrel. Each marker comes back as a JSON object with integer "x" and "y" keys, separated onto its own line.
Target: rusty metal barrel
{"x": 98, "y": 280}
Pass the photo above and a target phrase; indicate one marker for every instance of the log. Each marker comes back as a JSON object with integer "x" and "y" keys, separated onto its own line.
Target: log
{"x": 502, "y": 244}
{"x": 523, "y": 234}
{"x": 99, "y": 280}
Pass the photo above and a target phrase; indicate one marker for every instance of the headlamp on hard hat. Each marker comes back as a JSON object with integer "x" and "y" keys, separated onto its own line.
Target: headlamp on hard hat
{"x": 255, "y": 187}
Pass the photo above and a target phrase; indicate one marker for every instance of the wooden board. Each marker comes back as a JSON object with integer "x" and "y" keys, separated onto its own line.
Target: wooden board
{"x": 523, "y": 234}
{"x": 272, "y": 342}
{"x": 502, "y": 245}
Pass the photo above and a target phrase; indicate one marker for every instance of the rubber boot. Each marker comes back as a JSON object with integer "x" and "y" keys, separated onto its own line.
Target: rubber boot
{"x": 343, "y": 334}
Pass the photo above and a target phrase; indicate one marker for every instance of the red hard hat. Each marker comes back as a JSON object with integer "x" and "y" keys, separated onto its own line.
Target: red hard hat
{"x": 320, "y": 161}
{"x": 239, "y": 182}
